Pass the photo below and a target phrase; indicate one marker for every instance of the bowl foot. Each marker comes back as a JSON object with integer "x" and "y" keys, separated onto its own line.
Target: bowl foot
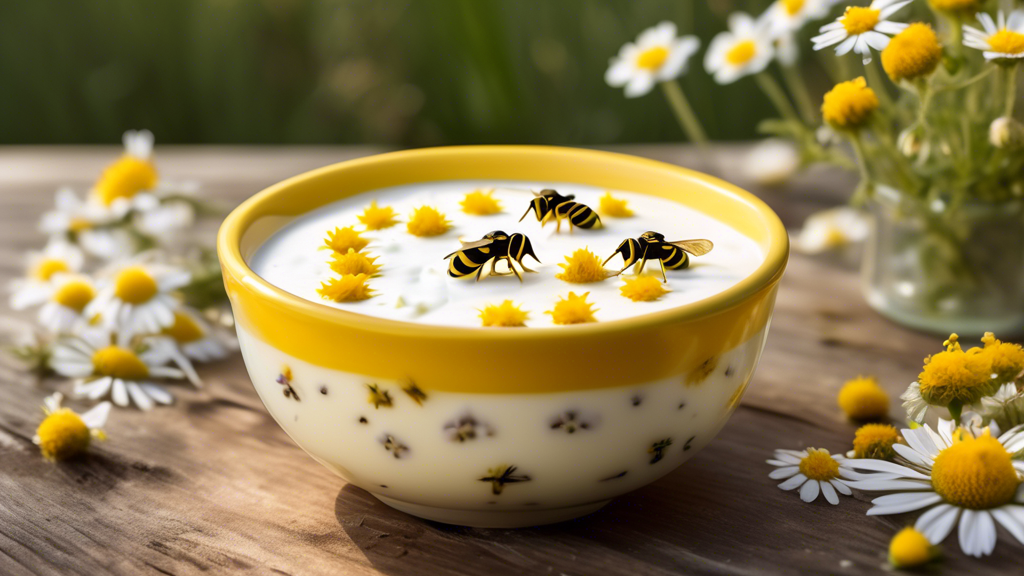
{"x": 493, "y": 518}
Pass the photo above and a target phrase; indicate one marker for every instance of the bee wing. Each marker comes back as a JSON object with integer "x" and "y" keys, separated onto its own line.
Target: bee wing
{"x": 695, "y": 247}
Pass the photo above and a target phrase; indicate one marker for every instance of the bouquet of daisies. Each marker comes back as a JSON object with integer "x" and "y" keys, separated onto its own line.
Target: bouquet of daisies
{"x": 128, "y": 296}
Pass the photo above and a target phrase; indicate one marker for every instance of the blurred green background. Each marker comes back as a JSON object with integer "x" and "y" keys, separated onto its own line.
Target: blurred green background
{"x": 402, "y": 73}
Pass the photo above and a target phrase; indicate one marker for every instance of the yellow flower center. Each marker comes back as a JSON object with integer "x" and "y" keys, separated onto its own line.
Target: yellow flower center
{"x": 74, "y": 294}
{"x": 427, "y": 221}
{"x": 507, "y": 314}
{"x": 975, "y": 473}
{"x": 913, "y": 53}
{"x": 124, "y": 179}
{"x": 614, "y": 207}
{"x": 62, "y": 435}
{"x": 135, "y": 285}
{"x": 875, "y": 441}
{"x": 574, "y": 310}
{"x": 1006, "y": 359}
{"x": 118, "y": 362}
{"x": 849, "y": 104}
{"x": 793, "y": 7}
{"x": 652, "y": 58}
{"x": 582, "y": 267}
{"x": 353, "y": 262}
{"x": 184, "y": 329}
{"x": 1006, "y": 42}
{"x": 863, "y": 399}
{"x": 348, "y": 288}
{"x": 819, "y": 465}
{"x": 47, "y": 267}
{"x": 956, "y": 376}
{"x": 78, "y": 224}
{"x": 858, "y": 20}
{"x": 910, "y": 548}
{"x": 341, "y": 240}
{"x": 741, "y": 53}
{"x": 480, "y": 203}
{"x": 643, "y": 289}
{"x": 378, "y": 217}
{"x": 970, "y": 6}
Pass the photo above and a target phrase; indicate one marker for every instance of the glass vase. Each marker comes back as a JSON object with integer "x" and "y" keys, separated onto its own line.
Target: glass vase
{"x": 940, "y": 269}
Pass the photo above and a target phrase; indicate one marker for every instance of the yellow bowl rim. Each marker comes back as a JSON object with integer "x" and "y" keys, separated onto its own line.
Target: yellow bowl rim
{"x": 767, "y": 274}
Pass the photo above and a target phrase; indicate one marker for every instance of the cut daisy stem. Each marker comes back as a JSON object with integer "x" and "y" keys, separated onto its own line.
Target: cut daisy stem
{"x": 866, "y": 187}
{"x": 778, "y": 97}
{"x": 795, "y": 81}
{"x": 1010, "y": 77}
{"x": 684, "y": 112}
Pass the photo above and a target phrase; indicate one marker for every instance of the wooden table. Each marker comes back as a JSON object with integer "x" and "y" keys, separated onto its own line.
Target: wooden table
{"x": 212, "y": 484}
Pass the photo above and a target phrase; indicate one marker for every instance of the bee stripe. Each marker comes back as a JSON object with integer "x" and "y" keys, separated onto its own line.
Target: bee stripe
{"x": 677, "y": 259}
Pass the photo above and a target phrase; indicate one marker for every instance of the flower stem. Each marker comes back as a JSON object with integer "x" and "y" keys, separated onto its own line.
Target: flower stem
{"x": 778, "y": 97}
{"x": 866, "y": 186}
{"x": 684, "y": 112}
{"x": 879, "y": 86}
{"x": 798, "y": 87}
{"x": 924, "y": 94}
{"x": 1010, "y": 73}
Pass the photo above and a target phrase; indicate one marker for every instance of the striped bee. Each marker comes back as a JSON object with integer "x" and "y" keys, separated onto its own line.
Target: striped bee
{"x": 652, "y": 246}
{"x": 493, "y": 246}
{"x": 547, "y": 203}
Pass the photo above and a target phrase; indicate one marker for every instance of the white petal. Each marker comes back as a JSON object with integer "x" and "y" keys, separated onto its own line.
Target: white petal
{"x": 96, "y": 417}
{"x": 912, "y": 455}
{"x": 938, "y": 522}
{"x": 1010, "y": 523}
{"x": 921, "y": 441}
{"x": 140, "y": 398}
{"x": 619, "y": 73}
{"x": 883, "y": 466}
{"x": 158, "y": 393}
{"x": 886, "y": 12}
{"x": 793, "y": 482}
{"x": 809, "y": 491}
{"x": 781, "y": 463}
{"x": 906, "y": 505}
{"x": 876, "y": 40}
{"x": 119, "y": 393}
{"x": 640, "y": 84}
{"x": 884, "y": 485}
{"x": 786, "y": 472}
{"x": 830, "y": 493}
{"x": 846, "y": 45}
{"x": 841, "y": 487}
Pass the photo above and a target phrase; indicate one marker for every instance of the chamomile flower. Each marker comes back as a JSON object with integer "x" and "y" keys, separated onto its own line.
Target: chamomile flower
{"x": 745, "y": 48}
{"x": 104, "y": 365}
{"x": 71, "y": 216}
{"x": 831, "y": 229}
{"x": 786, "y": 17}
{"x": 63, "y": 433}
{"x": 964, "y": 479}
{"x": 134, "y": 172}
{"x": 139, "y": 297}
{"x": 862, "y": 28}
{"x": 1001, "y": 40}
{"x": 658, "y": 55}
{"x": 197, "y": 339}
{"x": 65, "y": 309}
{"x": 59, "y": 256}
{"x": 814, "y": 471}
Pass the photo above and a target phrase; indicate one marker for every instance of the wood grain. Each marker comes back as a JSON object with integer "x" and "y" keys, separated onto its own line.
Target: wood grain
{"x": 213, "y": 485}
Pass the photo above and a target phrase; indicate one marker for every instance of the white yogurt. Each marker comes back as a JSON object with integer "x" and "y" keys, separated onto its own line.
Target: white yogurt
{"x": 413, "y": 284}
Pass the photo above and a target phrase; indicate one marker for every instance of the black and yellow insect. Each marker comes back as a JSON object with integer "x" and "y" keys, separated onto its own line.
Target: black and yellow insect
{"x": 652, "y": 246}
{"x": 494, "y": 246}
{"x": 548, "y": 203}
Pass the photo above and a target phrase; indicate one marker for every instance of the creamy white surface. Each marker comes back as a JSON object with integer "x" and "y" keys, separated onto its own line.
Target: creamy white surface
{"x": 414, "y": 269}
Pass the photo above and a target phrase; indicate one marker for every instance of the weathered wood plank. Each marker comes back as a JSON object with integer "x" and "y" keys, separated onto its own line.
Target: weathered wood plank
{"x": 213, "y": 485}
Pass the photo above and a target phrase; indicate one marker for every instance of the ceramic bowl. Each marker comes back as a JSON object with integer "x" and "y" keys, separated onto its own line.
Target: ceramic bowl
{"x": 500, "y": 427}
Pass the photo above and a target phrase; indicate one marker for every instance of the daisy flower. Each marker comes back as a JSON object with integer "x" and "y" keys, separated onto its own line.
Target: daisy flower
{"x": 658, "y": 55}
{"x": 64, "y": 311}
{"x": 63, "y": 433}
{"x": 1001, "y": 40}
{"x": 139, "y": 297}
{"x": 814, "y": 471}
{"x": 90, "y": 225}
{"x": 102, "y": 365}
{"x": 197, "y": 339}
{"x": 966, "y": 480}
{"x": 745, "y": 48}
{"x": 862, "y": 28}
{"x": 831, "y": 229}
{"x": 59, "y": 256}
{"x": 786, "y": 17}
